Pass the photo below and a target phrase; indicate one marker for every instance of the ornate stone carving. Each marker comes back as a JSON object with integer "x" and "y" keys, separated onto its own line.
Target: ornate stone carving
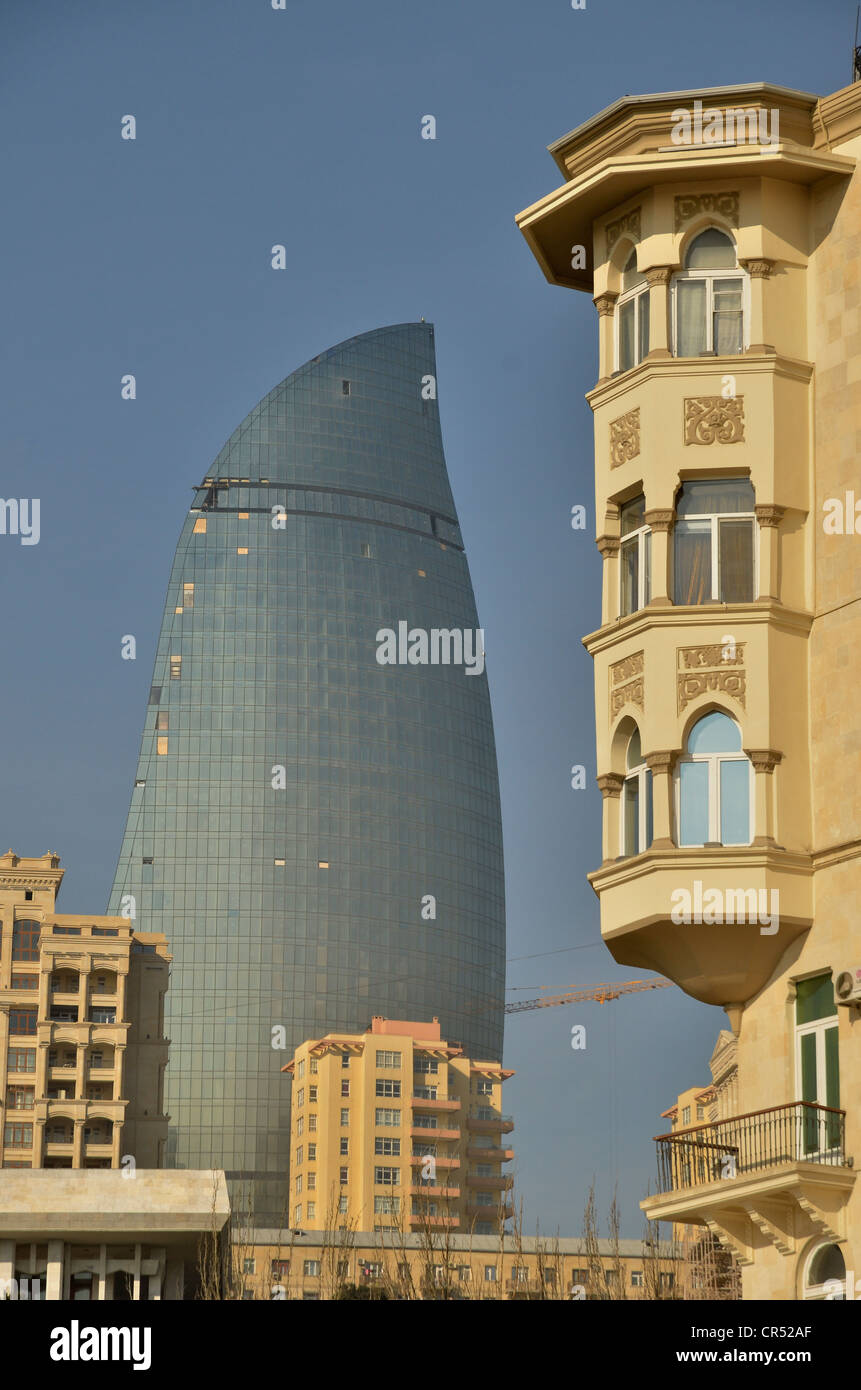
{"x": 627, "y": 683}
{"x": 710, "y": 418}
{"x": 700, "y": 669}
{"x": 608, "y": 545}
{"x": 764, "y": 759}
{"x": 605, "y": 303}
{"x": 658, "y": 274}
{"x": 759, "y": 269}
{"x": 690, "y": 205}
{"x": 768, "y": 513}
{"x": 624, "y": 438}
{"x": 659, "y": 518}
{"x": 610, "y": 783}
{"x": 661, "y": 761}
{"x": 628, "y": 222}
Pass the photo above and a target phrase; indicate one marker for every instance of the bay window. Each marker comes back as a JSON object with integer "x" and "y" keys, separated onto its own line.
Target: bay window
{"x": 636, "y": 800}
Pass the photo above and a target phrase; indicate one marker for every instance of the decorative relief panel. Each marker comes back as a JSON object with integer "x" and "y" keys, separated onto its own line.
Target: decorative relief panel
{"x": 627, "y": 683}
{"x": 718, "y": 667}
{"x": 710, "y": 418}
{"x": 624, "y": 438}
{"x": 690, "y": 205}
{"x": 628, "y": 222}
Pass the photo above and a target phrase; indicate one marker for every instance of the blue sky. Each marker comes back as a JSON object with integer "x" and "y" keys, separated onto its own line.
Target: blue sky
{"x": 302, "y": 127}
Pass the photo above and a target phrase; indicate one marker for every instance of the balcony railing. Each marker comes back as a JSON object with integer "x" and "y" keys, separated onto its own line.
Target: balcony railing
{"x": 743, "y": 1144}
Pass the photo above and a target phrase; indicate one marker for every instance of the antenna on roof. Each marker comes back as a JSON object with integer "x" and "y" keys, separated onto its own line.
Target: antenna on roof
{"x": 856, "y": 51}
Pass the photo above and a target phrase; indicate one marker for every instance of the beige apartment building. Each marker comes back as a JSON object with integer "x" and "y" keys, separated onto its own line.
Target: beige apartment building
{"x": 311, "y": 1266}
{"x": 82, "y": 1045}
{"x": 718, "y": 233}
{"x": 395, "y": 1130}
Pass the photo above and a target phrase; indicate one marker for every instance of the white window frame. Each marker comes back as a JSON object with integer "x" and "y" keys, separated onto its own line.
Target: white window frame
{"x": 640, "y": 774}
{"x": 637, "y": 292}
{"x": 710, "y": 275}
{"x": 819, "y": 1027}
{"x": 715, "y": 518}
{"x": 714, "y": 759}
{"x": 641, "y": 538}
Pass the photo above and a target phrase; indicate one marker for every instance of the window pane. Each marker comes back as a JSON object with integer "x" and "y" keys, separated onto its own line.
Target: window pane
{"x": 626, "y": 336}
{"x": 632, "y": 815}
{"x": 630, "y": 577}
{"x": 690, "y": 317}
{"x": 693, "y": 803}
{"x": 735, "y": 803}
{"x": 707, "y": 496}
{"x": 634, "y": 755}
{"x": 735, "y": 575}
{"x": 814, "y": 999}
{"x": 632, "y": 515}
{"x": 692, "y": 554}
{"x": 711, "y": 250}
{"x": 715, "y": 733}
{"x": 727, "y": 317}
{"x": 642, "y": 326}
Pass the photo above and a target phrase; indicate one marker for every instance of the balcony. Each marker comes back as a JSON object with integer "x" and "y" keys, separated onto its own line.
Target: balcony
{"x": 484, "y": 1121}
{"x": 496, "y": 1212}
{"x": 431, "y": 1192}
{"x": 718, "y": 962}
{"x": 417, "y": 1160}
{"x": 771, "y": 1177}
{"x": 446, "y": 1222}
{"x": 494, "y": 1155}
{"x": 433, "y": 1135}
{"x": 499, "y": 1183}
{"x": 425, "y": 1102}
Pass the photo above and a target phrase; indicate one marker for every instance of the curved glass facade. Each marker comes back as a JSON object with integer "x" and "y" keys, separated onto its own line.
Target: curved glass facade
{"x": 297, "y": 803}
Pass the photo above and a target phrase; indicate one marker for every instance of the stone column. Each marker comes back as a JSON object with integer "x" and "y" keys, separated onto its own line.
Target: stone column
{"x": 764, "y": 762}
{"x": 78, "y": 1144}
{"x": 659, "y": 277}
{"x": 758, "y": 270}
{"x": 769, "y": 517}
{"x": 54, "y": 1273}
{"x": 609, "y": 548}
{"x": 660, "y": 765}
{"x": 7, "y": 1260}
{"x": 610, "y": 785}
{"x": 605, "y": 304}
{"x": 659, "y": 522}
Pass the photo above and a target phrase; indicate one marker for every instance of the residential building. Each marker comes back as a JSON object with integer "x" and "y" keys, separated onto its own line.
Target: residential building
{"x": 717, "y": 232}
{"x": 82, "y": 1045}
{"x": 315, "y": 818}
{"x": 397, "y": 1130}
{"x": 319, "y": 1265}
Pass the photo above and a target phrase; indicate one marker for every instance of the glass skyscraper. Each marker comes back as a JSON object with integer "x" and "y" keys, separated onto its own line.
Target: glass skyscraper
{"x": 317, "y": 833}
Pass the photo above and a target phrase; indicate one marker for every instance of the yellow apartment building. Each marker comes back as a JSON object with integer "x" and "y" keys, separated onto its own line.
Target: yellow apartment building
{"x": 395, "y": 1130}
{"x": 718, "y": 233}
{"x": 311, "y": 1266}
{"x": 82, "y": 1046}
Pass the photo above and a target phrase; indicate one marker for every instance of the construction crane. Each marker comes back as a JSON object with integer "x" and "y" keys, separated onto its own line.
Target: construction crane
{"x": 599, "y": 993}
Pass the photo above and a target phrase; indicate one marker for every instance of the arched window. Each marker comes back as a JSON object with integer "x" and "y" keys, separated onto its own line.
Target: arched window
{"x": 636, "y": 800}
{"x": 708, "y": 299}
{"x": 632, "y": 317}
{"x": 714, "y": 787}
{"x": 713, "y": 542}
{"x": 635, "y": 557}
{"x": 825, "y": 1274}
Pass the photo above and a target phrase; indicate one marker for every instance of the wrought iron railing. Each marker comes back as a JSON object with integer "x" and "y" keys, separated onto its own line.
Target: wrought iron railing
{"x": 743, "y": 1144}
